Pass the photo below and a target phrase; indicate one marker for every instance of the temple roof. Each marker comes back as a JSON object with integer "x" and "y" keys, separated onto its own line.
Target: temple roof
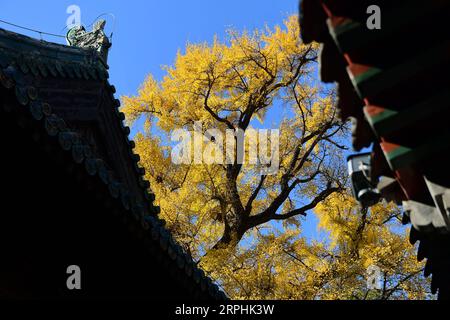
{"x": 50, "y": 80}
{"x": 397, "y": 94}
{"x": 43, "y": 58}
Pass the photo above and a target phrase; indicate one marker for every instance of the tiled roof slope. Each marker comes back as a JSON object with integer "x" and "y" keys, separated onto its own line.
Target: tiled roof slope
{"x": 25, "y": 63}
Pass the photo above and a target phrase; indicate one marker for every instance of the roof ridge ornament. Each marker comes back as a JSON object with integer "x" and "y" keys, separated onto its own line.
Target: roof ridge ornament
{"x": 96, "y": 39}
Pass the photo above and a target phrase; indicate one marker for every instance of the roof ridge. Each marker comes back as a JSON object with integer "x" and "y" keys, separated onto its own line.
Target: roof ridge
{"x": 39, "y": 42}
{"x": 31, "y": 48}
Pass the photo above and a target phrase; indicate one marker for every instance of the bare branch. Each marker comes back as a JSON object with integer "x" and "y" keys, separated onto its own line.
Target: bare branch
{"x": 210, "y": 111}
{"x": 302, "y": 211}
{"x": 253, "y": 196}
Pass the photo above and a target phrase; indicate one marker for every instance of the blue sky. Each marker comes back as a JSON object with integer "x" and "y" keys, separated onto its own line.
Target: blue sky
{"x": 148, "y": 34}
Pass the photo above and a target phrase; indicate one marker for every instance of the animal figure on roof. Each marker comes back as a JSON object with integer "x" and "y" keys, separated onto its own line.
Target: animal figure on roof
{"x": 96, "y": 39}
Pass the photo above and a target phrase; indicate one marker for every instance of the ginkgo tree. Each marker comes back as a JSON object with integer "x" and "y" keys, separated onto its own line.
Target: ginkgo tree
{"x": 281, "y": 264}
{"x": 244, "y": 226}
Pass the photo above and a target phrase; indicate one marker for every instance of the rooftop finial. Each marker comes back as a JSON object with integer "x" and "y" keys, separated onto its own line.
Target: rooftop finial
{"x": 95, "y": 39}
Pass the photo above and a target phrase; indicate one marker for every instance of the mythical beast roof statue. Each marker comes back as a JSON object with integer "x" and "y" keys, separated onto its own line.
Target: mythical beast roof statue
{"x": 96, "y": 39}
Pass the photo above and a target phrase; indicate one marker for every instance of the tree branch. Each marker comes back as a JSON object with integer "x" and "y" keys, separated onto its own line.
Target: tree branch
{"x": 248, "y": 206}
{"x": 302, "y": 211}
